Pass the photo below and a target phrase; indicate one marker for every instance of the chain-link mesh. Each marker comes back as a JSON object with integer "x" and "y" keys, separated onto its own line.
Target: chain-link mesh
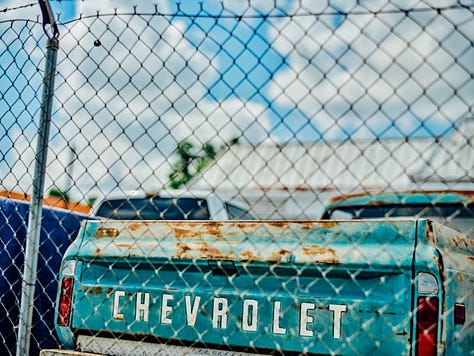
{"x": 224, "y": 111}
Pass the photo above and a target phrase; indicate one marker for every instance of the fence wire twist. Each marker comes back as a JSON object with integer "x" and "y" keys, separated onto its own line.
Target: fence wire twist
{"x": 267, "y": 111}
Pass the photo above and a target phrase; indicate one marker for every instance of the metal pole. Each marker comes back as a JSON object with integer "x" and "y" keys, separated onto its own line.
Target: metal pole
{"x": 34, "y": 221}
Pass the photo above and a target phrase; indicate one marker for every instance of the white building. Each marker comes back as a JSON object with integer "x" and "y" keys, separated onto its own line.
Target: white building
{"x": 294, "y": 181}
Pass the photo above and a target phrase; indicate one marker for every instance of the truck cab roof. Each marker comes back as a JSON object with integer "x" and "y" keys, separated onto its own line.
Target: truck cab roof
{"x": 452, "y": 208}
{"x": 171, "y": 205}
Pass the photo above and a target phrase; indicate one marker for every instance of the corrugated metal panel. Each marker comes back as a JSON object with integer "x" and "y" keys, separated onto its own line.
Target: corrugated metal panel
{"x": 452, "y": 159}
{"x": 293, "y": 181}
{"x": 318, "y": 166}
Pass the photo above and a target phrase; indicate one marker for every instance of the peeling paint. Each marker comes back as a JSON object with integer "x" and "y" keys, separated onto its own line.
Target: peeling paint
{"x": 430, "y": 235}
{"x": 96, "y": 290}
{"x": 321, "y": 254}
{"x": 190, "y": 230}
{"x": 183, "y": 231}
{"x": 135, "y": 226}
{"x": 214, "y": 229}
{"x": 329, "y": 224}
{"x": 280, "y": 255}
{"x": 278, "y": 224}
{"x": 247, "y": 255}
{"x": 200, "y": 250}
{"x": 107, "y": 232}
{"x": 129, "y": 246}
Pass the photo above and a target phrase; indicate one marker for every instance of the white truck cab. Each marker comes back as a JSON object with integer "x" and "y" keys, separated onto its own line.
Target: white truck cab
{"x": 171, "y": 205}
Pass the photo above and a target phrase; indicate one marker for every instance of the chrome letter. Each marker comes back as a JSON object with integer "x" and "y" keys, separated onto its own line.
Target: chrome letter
{"x": 337, "y": 310}
{"x": 249, "y": 322}
{"x": 115, "y": 312}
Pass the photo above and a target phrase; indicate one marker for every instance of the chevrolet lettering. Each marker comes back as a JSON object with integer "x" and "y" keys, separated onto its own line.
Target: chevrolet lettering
{"x": 248, "y": 316}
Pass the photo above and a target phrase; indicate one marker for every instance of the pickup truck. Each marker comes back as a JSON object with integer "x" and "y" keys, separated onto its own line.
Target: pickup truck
{"x": 453, "y": 208}
{"x": 389, "y": 287}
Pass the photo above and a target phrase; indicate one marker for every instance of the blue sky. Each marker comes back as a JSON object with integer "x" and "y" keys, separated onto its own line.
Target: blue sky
{"x": 262, "y": 78}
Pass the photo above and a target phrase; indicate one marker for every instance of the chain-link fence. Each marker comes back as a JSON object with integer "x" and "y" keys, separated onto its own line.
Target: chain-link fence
{"x": 222, "y": 111}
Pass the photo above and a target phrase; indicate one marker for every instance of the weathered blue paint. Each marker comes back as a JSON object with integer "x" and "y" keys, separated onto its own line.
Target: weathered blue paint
{"x": 451, "y": 208}
{"x": 323, "y": 287}
{"x": 58, "y": 229}
{"x": 449, "y": 255}
{"x": 403, "y": 197}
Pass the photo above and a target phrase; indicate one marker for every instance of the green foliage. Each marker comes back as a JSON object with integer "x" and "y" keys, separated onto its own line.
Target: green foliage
{"x": 192, "y": 161}
{"x": 58, "y": 193}
{"x": 91, "y": 200}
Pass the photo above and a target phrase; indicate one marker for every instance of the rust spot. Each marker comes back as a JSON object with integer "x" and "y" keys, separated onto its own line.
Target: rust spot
{"x": 138, "y": 225}
{"x": 430, "y": 232}
{"x": 321, "y": 254}
{"x": 456, "y": 242}
{"x": 189, "y": 230}
{"x": 278, "y": 224}
{"x": 247, "y": 255}
{"x": 97, "y": 251}
{"x": 317, "y": 250}
{"x": 438, "y": 259}
{"x": 125, "y": 245}
{"x": 329, "y": 224}
{"x": 306, "y": 225}
{"x": 247, "y": 225}
{"x": 107, "y": 232}
{"x": 200, "y": 250}
{"x": 94, "y": 290}
{"x": 214, "y": 229}
{"x": 183, "y": 231}
{"x": 183, "y": 250}
{"x": 279, "y": 255}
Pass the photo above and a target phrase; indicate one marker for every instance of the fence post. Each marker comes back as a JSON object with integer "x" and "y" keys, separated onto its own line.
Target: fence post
{"x": 34, "y": 221}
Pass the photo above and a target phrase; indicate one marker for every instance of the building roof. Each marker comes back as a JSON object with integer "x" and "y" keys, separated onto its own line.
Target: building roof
{"x": 344, "y": 165}
{"x": 52, "y": 201}
{"x": 315, "y": 166}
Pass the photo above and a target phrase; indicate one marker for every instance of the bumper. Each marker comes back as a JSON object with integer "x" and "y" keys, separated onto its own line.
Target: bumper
{"x": 100, "y": 346}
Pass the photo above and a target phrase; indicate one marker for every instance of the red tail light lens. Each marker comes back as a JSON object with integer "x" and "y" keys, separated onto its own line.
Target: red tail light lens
{"x": 427, "y": 326}
{"x": 65, "y": 301}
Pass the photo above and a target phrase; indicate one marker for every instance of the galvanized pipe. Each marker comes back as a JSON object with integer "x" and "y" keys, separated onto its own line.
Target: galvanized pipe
{"x": 34, "y": 220}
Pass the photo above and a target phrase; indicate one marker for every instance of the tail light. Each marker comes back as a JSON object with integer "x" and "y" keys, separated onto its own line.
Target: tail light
{"x": 65, "y": 301}
{"x": 427, "y": 326}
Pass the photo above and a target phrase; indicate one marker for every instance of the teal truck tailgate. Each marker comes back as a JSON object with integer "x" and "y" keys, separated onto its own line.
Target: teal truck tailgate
{"x": 302, "y": 287}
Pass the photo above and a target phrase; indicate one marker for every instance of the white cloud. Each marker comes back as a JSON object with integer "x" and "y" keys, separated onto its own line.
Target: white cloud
{"x": 14, "y": 10}
{"x": 405, "y": 65}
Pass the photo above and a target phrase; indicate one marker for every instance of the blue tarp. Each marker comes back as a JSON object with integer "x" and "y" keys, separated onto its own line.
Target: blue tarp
{"x": 59, "y": 228}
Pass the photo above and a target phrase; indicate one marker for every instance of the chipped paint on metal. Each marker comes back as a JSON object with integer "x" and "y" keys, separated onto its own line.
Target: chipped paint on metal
{"x": 137, "y": 225}
{"x": 96, "y": 290}
{"x": 454, "y": 195}
{"x": 107, "y": 232}
{"x": 200, "y": 250}
{"x": 281, "y": 256}
{"x": 321, "y": 254}
{"x": 325, "y": 242}
{"x": 247, "y": 256}
{"x": 185, "y": 231}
